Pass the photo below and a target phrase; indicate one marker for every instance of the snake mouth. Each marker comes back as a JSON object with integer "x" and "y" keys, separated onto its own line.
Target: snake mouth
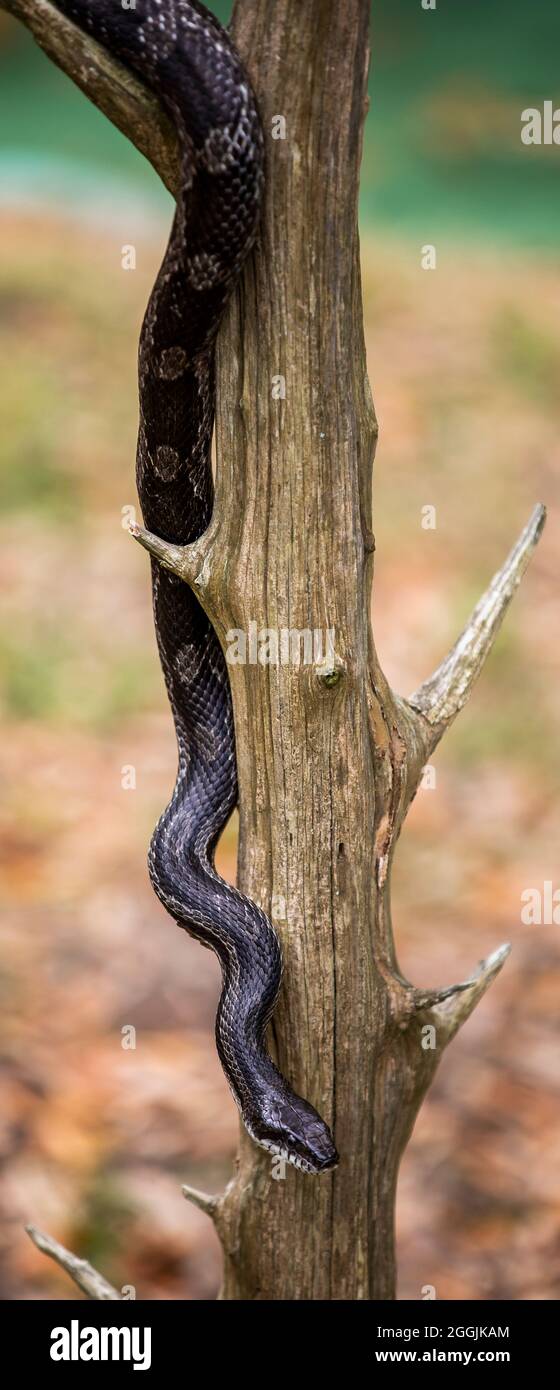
{"x": 316, "y": 1166}
{"x": 293, "y": 1132}
{"x": 304, "y": 1165}
{"x": 328, "y": 1163}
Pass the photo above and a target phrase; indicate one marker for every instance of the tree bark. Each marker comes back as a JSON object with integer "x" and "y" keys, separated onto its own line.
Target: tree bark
{"x": 329, "y": 757}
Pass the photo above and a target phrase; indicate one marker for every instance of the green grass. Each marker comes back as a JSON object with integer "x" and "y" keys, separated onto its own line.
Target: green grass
{"x": 106, "y": 1216}
{"x": 527, "y": 355}
{"x": 505, "y": 718}
{"x": 48, "y": 675}
{"x": 32, "y": 414}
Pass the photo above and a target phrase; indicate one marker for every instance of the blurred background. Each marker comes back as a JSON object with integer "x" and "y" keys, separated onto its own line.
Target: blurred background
{"x": 464, "y": 364}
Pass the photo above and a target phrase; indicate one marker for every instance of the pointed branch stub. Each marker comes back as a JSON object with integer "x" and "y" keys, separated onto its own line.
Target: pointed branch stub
{"x": 203, "y": 1200}
{"x": 450, "y": 1008}
{"x": 84, "y": 1275}
{"x": 442, "y": 696}
{"x": 188, "y": 562}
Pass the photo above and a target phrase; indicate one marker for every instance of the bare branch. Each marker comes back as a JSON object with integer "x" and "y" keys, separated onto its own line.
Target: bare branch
{"x": 83, "y": 1274}
{"x": 202, "y": 1200}
{"x": 168, "y": 555}
{"x": 188, "y": 562}
{"x": 426, "y": 998}
{"x": 124, "y": 100}
{"x": 456, "y": 1004}
{"x": 441, "y": 697}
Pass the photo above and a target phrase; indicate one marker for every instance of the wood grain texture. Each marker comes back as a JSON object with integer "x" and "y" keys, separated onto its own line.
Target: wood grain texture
{"x": 323, "y": 768}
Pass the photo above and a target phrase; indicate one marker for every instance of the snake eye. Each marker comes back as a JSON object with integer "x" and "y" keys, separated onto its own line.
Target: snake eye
{"x": 306, "y": 1137}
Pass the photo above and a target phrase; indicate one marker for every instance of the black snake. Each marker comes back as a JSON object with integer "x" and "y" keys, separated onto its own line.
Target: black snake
{"x": 180, "y": 52}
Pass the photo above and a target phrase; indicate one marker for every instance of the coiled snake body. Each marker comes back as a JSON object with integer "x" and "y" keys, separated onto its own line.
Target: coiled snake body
{"x": 181, "y": 52}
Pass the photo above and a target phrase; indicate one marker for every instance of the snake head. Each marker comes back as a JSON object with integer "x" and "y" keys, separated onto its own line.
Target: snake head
{"x": 291, "y": 1129}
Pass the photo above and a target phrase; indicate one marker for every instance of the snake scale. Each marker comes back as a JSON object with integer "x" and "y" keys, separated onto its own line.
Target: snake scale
{"x": 180, "y": 52}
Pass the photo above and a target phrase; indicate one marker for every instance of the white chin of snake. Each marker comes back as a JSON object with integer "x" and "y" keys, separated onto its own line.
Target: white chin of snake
{"x": 293, "y": 1158}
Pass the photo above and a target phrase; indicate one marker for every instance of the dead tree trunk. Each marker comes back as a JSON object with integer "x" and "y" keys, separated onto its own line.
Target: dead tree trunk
{"x": 329, "y": 757}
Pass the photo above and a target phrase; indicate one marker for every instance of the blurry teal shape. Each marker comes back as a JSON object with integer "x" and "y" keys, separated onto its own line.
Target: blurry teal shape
{"x": 30, "y": 178}
{"x": 442, "y": 149}
{"x": 54, "y": 143}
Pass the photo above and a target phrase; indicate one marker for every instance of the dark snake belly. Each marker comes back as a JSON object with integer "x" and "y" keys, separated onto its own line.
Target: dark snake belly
{"x": 181, "y": 53}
